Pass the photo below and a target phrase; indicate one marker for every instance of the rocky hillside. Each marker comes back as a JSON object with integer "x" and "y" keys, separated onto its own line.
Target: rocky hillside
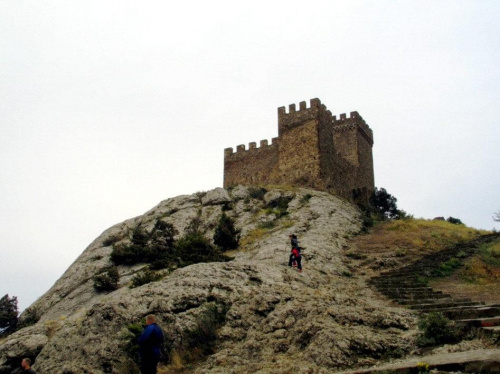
{"x": 277, "y": 320}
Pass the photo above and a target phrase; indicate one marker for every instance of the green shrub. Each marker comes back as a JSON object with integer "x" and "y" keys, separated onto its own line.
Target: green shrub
{"x": 227, "y": 206}
{"x": 131, "y": 337}
{"x": 202, "y": 337}
{"x": 163, "y": 235}
{"x": 155, "y": 247}
{"x": 436, "y": 329}
{"x": 146, "y": 276}
{"x": 110, "y": 240}
{"x": 367, "y": 221}
{"x": 159, "y": 249}
{"x": 140, "y": 237}
{"x": 107, "y": 281}
{"x": 447, "y": 268}
{"x": 257, "y": 192}
{"x": 195, "y": 226}
{"x": 279, "y": 207}
{"x": 194, "y": 248}
{"x": 305, "y": 199}
{"x": 226, "y": 236}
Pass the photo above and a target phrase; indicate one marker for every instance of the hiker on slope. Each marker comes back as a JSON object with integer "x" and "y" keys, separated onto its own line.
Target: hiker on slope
{"x": 295, "y": 259}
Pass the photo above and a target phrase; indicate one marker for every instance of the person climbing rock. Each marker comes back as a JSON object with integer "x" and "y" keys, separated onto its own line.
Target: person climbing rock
{"x": 298, "y": 258}
{"x": 295, "y": 259}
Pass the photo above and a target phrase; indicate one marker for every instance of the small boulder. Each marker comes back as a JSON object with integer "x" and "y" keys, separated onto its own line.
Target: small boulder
{"x": 240, "y": 192}
{"x": 217, "y": 196}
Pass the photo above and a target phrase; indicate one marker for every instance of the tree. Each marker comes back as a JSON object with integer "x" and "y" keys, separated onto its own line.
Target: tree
{"x": 454, "y": 220}
{"x": 226, "y": 236}
{"x": 8, "y": 313}
{"x": 385, "y": 204}
{"x": 496, "y": 216}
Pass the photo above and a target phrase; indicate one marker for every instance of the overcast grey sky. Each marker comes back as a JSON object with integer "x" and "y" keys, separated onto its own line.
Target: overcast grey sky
{"x": 109, "y": 107}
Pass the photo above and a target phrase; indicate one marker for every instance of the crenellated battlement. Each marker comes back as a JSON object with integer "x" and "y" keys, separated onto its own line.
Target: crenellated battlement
{"x": 314, "y": 104}
{"x": 295, "y": 117}
{"x": 351, "y": 123}
{"x": 313, "y": 148}
{"x": 252, "y": 147}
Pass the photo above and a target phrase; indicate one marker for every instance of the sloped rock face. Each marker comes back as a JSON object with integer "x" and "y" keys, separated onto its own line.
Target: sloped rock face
{"x": 278, "y": 320}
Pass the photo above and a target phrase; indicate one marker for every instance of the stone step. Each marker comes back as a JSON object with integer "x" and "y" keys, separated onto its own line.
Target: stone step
{"x": 405, "y": 293}
{"x": 405, "y": 298}
{"x": 399, "y": 285}
{"x": 481, "y": 322}
{"x": 407, "y": 289}
{"x": 395, "y": 282}
{"x": 413, "y": 295}
{"x": 476, "y": 361}
{"x": 495, "y": 329}
{"x": 469, "y": 312}
{"x": 437, "y": 306}
{"x": 407, "y": 302}
{"x": 403, "y": 273}
{"x": 396, "y": 293}
{"x": 491, "y": 332}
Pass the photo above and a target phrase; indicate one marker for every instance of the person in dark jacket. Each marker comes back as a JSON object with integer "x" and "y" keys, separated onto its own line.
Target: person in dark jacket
{"x": 26, "y": 365}
{"x": 150, "y": 343}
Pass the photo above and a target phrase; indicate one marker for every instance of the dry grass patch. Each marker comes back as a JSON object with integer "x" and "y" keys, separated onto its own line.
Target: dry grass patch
{"x": 281, "y": 187}
{"x": 252, "y": 237}
{"x": 485, "y": 267}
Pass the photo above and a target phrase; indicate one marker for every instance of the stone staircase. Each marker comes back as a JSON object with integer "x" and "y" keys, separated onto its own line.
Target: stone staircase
{"x": 405, "y": 287}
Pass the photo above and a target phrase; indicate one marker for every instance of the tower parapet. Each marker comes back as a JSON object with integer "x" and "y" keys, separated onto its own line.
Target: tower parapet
{"x": 296, "y": 117}
{"x": 345, "y": 123}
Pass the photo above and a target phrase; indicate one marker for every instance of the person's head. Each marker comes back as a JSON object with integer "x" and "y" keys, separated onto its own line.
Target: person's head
{"x": 150, "y": 318}
{"x": 26, "y": 363}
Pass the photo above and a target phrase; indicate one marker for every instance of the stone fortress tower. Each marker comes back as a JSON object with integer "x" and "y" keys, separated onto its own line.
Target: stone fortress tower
{"x": 313, "y": 149}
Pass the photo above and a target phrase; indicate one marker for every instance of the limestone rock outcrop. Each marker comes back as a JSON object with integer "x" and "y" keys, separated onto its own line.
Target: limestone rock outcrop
{"x": 278, "y": 320}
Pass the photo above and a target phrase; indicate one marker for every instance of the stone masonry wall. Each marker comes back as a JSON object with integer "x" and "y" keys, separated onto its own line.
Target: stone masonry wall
{"x": 251, "y": 167}
{"x": 299, "y": 155}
